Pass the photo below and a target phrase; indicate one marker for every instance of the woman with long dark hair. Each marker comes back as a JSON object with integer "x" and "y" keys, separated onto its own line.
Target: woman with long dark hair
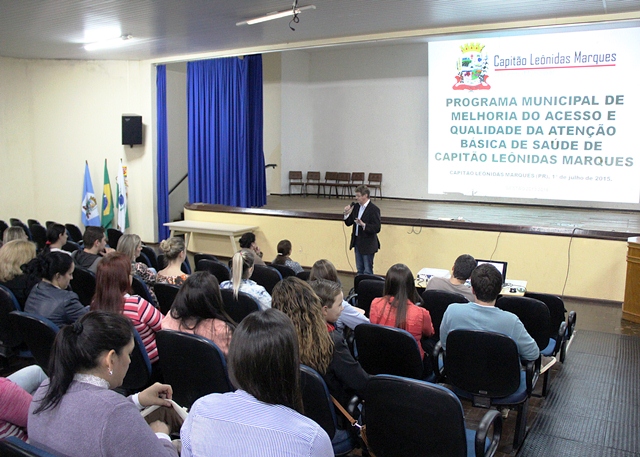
{"x": 397, "y": 308}
{"x": 50, "y": 297}
{"x": 321, "y": 348}
{"x": 77, "y": 414}
{"x": 241, "y": 270}
{"x": 198, "y": 309}
{"x": 113, "y": 284}
{"x": 263, "y": 417}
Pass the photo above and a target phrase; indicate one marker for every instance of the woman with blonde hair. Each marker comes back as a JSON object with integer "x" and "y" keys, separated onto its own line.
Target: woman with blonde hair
{"x": 321, "y": 349}
{"x": 13, "y": 256}
{"x": 241, "y": 270}
{"x": 350, "y": 316}
{"x": 14, "y": 233}
{"x": 174, "y": 252}
{"x": 130, "y": 245}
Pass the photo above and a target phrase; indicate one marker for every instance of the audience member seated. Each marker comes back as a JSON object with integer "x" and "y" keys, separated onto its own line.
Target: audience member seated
{"x": 13, "y": 233}
{"x": 198, "y": 309}
{"x": 13, "y": 256}
{"x": 283, "y": 257}
{"x": 56, "y": 238}
{"x": 263, "y": 417}
{"x": 113, "y": 284}
{"x": 397, "y": 308}
{"x": 486, "y": 282}
{"x": 241, "y": 270}
{"x": 50, "y": 297}
{"x": 95, "y": 246}
{"x": 15, "y": 398}
{"x": 350, "y": 316}
{"x": 131, "y": 246}
{"x": 76, "y": 413}
{"x": 461, "y": 271}
{"x": 248, "y": 241}
{"x": 321, "y": 348}
{"x": 174, "y": 252}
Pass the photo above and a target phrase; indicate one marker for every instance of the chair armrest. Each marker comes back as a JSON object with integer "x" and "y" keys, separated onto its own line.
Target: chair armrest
{"x": 491, "y": 418}
{"x": 436, "y": 355}
{"x": 571, "y": 323}
{"x": 532, "y": 369}
{"x": 560, "y": 337}
{"x": 353, "y": 406}
{"x": 352, "y": 298}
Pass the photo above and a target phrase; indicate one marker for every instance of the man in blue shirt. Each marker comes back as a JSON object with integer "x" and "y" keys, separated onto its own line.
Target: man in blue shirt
{"x": 486, "y": 283}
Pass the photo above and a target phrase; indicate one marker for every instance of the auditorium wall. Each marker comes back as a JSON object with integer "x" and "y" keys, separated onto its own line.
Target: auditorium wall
{"x": 54, "y": 115}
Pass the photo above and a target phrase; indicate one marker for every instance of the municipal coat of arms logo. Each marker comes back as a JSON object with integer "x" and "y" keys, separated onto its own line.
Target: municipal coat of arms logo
{"x": 472, "y": 68}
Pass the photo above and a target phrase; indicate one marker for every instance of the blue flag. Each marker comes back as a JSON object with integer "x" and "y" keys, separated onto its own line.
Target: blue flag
{"x": 90, "y": 209}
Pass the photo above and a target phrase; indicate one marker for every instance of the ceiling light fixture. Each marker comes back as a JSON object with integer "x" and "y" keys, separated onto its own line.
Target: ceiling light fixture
{"x": 276, "y": 15}
{"x": 110, "y": 43}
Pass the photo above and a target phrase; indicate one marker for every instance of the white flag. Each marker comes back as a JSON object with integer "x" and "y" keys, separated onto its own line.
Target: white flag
{"x": 123, "y": 210}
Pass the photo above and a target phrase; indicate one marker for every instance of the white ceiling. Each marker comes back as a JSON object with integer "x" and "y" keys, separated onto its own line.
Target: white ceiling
{"x": 55, "y": 29}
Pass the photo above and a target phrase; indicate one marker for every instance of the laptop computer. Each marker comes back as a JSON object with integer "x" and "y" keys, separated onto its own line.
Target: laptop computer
{"x": 500, "y": 266}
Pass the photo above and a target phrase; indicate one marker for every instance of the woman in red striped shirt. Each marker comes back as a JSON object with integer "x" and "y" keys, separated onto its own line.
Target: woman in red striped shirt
{"x": 113, "y": 284}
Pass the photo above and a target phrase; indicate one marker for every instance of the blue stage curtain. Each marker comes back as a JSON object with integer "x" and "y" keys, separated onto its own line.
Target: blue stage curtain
{"x": 226, "y": 158}
{"x": 163, "y": 151}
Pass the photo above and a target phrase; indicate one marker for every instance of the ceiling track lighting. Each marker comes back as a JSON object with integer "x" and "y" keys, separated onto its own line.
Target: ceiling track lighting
{"x": 278, "y": 14}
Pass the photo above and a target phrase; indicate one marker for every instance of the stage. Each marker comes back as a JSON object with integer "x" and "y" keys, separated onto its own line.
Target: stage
{"x": 565, "y": 251}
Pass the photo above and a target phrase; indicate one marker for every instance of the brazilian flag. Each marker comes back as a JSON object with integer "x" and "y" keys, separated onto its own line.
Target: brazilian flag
{"x": 107, "y": 199}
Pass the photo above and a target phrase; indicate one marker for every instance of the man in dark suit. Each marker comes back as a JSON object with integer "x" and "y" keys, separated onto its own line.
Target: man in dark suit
{"x": 364, "y": 216}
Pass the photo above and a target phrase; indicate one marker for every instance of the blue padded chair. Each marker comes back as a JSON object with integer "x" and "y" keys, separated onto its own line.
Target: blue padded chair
{"x": 319, "y": 407}
{"x": 267, "y": 277}
{"x": 74, "y": 232}
{"x": 10, "y": 338}
{"x": 408, "y": 417}
{"x": 38, "y": 333}
{"x": 561, "y": 329}
{"x": 240, "y": 308}
{"x": 15, "y": 447}
{"x": 166, "y": 294}
{"x": 366, "y": 291}
{"x": 485, "y": 368}
{"x": 285, "y": 271}
{"x": 141, "y": 289}
{"x": 193, "y": 365}
{"x": 535, "y": 316}
{"x": 387, "y": 350}
{"x": 151, "y": 255}
{"x": 216, "y": 268}
{"x": 138, "y": 376}
{"x": 84, "y": 284}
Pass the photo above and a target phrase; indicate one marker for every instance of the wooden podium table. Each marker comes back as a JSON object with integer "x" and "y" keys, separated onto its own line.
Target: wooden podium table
{"x": 230, "y": 231}
{"x": 631, "y": 304}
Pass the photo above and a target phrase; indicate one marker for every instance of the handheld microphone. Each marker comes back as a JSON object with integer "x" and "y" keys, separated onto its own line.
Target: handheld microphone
{"x": 353, "y": 204}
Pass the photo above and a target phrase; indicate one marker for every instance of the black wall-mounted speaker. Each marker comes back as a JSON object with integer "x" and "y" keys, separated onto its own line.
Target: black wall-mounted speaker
{"x": 131, "y": 129}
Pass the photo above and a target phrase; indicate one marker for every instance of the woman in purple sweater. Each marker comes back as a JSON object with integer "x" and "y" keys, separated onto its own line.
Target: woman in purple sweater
{"x": 77, "y": 414}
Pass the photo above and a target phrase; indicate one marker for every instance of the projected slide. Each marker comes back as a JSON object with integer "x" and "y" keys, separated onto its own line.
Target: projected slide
{"x": 552, "y": 117}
